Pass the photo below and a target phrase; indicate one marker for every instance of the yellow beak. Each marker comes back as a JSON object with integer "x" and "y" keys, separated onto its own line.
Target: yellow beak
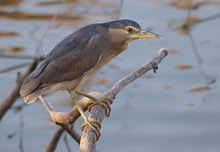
{"x": 145, "y": 35}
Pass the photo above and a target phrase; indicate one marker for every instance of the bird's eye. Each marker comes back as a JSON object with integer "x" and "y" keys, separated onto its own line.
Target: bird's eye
{"x": 130, "y": 30}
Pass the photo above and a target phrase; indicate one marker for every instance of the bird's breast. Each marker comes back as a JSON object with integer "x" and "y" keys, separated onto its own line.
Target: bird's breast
{"x": 66, "y": 85}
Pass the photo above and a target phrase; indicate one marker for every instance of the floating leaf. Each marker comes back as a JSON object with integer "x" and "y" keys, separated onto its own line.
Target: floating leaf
{"x": 200, "y": 89}
{"x": 168, "y": 87}
{"x": 184, "y": 67}
{"x": 184, "y": 30}
{"x": 186, "y": 23}
{"x": 173, "y": 52}
{"x": 187, "y": 4}
{"x": 183, "y": 26}
{"x": 15, "y": 49}
{"x": 100, "y": 82}
{"x": 113, "y": 66}
{"x": 191, "y": 105}
{"x": 190, "y": 20}
{"x": 7, "y": 34}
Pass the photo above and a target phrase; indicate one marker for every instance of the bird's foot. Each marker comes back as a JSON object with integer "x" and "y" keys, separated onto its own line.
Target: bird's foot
{"x": 104, "y": 102}
{"x": 94, "y": 125}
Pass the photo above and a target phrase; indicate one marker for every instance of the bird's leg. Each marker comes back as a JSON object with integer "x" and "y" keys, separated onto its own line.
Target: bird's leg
{"x": 102, "y": 101}
{"x": 94, "y": 125}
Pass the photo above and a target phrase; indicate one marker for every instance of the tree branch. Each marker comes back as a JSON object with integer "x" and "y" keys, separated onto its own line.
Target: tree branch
{"x": 53, "y": 143}
{"x": 8, "y": 101}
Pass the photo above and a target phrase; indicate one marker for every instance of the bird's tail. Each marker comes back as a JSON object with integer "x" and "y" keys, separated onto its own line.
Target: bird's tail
{"x": 30, "y": 98}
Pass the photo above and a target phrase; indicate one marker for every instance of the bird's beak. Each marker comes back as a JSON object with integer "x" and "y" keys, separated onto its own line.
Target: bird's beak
{"x": 145, "y": 35}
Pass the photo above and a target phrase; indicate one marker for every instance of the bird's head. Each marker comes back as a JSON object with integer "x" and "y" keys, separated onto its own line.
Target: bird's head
{"x": 128, "y": 30}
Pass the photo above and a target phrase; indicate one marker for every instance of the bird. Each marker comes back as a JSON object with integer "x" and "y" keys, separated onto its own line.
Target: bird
{"x": 77, "y": 57}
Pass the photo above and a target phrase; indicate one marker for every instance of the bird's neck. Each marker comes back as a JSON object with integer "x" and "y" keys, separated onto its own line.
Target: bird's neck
{"x": 116, "y": 43}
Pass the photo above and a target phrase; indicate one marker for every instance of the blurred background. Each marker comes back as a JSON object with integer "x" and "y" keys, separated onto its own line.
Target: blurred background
{"x": 175, "y": 110}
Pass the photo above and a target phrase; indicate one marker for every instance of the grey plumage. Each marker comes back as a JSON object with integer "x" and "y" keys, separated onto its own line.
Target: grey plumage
{"x": 76, "y": 57}
{"x": 61, "y": 64}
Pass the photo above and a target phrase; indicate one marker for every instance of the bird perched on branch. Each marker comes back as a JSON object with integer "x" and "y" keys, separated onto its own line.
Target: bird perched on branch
{"x": 78, "y": 56}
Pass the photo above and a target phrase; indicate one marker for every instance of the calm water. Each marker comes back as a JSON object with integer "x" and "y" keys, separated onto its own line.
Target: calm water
{"x": 175, "y": 110}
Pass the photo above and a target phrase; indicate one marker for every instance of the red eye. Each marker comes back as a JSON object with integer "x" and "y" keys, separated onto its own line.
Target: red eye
{"x": 129, "y": 30}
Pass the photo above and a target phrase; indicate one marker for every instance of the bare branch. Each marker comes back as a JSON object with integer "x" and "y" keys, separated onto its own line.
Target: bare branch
{"x": 17, "y": 57}
{"x": 137, "y": 73}
{"x": 118, "y": 13}
{"x": 88, "y": 139}
{"x": 63, "y": 120}
{"x": 66, "y": 142}
{"x": 53, "y": 143}
{"x": 14, "y": 94}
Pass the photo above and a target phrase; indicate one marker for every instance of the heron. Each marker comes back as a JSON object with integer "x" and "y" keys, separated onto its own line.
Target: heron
{"x": 77, "y": 57}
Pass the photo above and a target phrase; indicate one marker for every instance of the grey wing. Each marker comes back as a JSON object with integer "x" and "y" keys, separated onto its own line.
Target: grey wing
{"x": 61, "y": 67}
{"x": 70, "y": 66}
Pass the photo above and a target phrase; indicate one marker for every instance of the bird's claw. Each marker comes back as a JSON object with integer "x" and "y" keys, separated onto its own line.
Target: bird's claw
{"x": 94, "y": 125}
{"x": 104, "y": 102}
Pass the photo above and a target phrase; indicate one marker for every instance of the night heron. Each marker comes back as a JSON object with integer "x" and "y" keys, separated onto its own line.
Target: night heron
{"x": 78, "y": 56}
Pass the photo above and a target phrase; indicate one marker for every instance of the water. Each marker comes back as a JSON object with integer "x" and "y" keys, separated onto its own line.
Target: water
{"x": 172, "y": 110}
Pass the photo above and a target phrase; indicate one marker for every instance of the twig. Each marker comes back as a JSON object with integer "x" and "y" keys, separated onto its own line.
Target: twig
{"x": 21, "y": 130}
{"x": 207, "y": 77}
{"x": 54, "y": 18}
{"x": 8, "y": 101}
{"x": 118, "y": 13}
{"x": 62, "y": 119}
{"x": 16, "y": 57}
{"x": 53, "y": 143}
{"x": 66, "y": 142}
{"x": 137, "y": 73}
{"x": 212, "y": 17}
{"x": 14, "y": 67}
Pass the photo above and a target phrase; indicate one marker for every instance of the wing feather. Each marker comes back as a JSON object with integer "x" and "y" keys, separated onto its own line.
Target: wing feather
{"x": 71, "y": 65}
{"x": 71, "y": 58}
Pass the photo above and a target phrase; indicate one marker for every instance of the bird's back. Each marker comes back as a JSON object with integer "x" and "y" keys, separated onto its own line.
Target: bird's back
{"x": 60, "y": 64}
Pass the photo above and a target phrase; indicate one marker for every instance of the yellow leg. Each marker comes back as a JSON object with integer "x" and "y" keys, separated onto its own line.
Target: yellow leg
{"x": 101, "y": 101}
{"x": 95, "y": 125}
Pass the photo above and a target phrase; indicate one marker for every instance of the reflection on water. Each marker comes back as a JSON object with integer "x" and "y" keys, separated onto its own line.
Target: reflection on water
{"x": 162, "y": 112}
